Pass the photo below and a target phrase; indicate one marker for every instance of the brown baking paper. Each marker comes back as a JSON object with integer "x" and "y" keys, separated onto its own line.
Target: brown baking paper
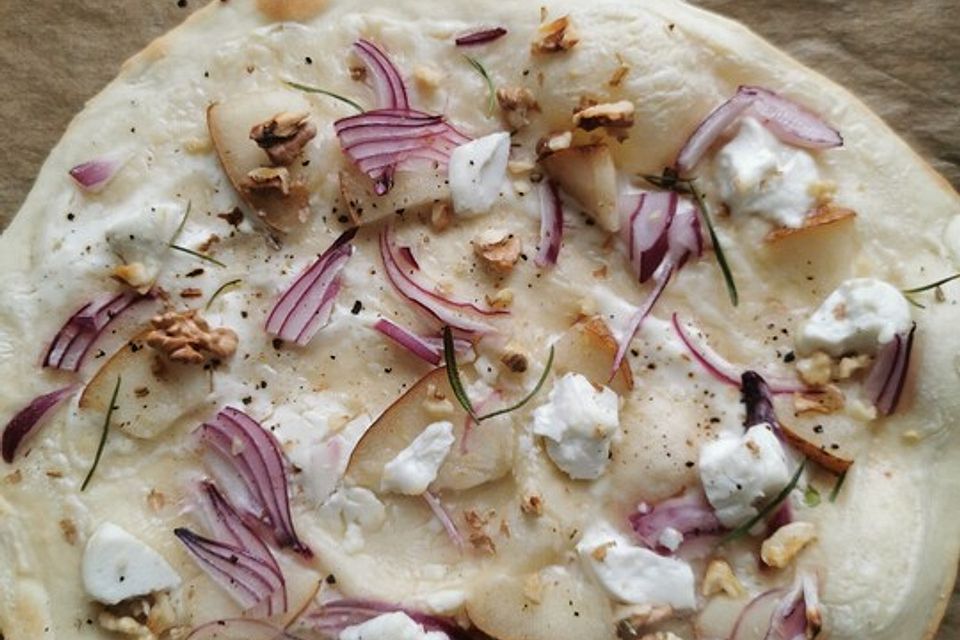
{"x": 902, "y": 58}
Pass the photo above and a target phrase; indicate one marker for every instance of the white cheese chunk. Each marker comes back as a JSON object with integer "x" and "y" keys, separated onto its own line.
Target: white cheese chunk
{"x": 740, "y": 473}
{"x": 633, "y": 574}
{"x": 477, "y": 171}
{"x": 359, "y": 510}
{"x": 390, "y": 626}
{"x": 117, "y": 566}
{"x": 414, "y": 468}
{"x": 579, "y": 422}
{"x": 142, "y": 240}
{"x": 756, "y": 174}
{"x": 858, "y": 317}
{"x": 670, "y": 538}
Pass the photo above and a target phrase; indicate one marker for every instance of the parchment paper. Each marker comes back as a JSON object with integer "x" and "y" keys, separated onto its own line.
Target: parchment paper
{"x": 902, "y": 57}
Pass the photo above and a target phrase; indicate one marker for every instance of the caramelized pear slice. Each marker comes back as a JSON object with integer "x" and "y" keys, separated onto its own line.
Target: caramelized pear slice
{"x": 412, "y": 191}
{"x": 230, "y": 122}
{"x": 487, "y": 456}
{"x": 555, "y": 603}
{"x": 154, "y": 393}
{"x": 588, "y": 175}
{"x": 589, "y": 348}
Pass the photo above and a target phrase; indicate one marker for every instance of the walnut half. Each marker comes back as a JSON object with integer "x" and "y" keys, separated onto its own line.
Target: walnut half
{"x": 284, "y": 136}
{"x": 183, "y": 336}
{"x": 618, "y": 115}
{"x": 556, "y": 36}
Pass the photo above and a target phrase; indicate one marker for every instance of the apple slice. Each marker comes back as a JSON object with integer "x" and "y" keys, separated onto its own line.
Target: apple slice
{"x": 588, "y": 175}
{"x": 413, "y": 191}
{"x": 589, "y": 348}
{"x": 555, "y": 603}
{"x": 154, "y": 393}
{"x": 488, "y": 457}
{"x": 230, "y": 123}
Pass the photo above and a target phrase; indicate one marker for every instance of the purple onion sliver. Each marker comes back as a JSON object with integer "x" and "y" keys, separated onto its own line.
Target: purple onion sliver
{"x": 690, "y": 514}
{"x": 650, "y": 224}
{"x": 888, "y": 375}
{"x": 710, "y": 129}
{"x": 92, "y": 176}
{"x": 27, "y": 419}
{"x": 409, "y": 341}
{"x": 388, "y": 83}
{"x": 660, "y": 284}
{"x": 480, "y": 36}
{"x": 551, "y": 225}
{"x": 791, "y": 122}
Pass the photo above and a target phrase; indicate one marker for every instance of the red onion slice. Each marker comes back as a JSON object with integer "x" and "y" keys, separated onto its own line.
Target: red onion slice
{"x": 255, "y": 457}
{"x": 753, "y": 619}
{"x": 787, "y": 120}
{"x": 235, "y": 628}
{"x": 92, "y": 176}
{"x": 690, "y": 514}
{"x": 246, "y": 578}
{"x": 723, "y": 370}
{"x": 480, "y": 36}
{"x": 388, "y": 84}
{"x": 73, "y": 341}
{"x": 660, "y": 284}
{"x": 227, "y": 525}
{"x": 409, "y": 341}
{"x": 336, "y": 615}
{"x": 378, "y": 142}
{"x": 551, "y": 225}
{"x": 305, "y": 307}
{"x": 885, "y": 382}
{"x": 433, "y": 305}
{"x": 797, "y": 616}
{"x": 647, "y": 232}
{"x": 443, "y": 516}
{"x": 791, "y": 122}
{"x": 27, "y": 419}
{"x": 685, "y": 237}
{"x": 710, "y": 129}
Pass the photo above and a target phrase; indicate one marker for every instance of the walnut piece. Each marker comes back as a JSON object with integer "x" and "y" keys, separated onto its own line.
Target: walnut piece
{"x": 553, "y": 142}
{"x": 145, "y": 618}
{"x": 498, "y": 255}
{"x": 515, "y": 361}
{"x": 427, "y": 78}
{"x": 502, "y": 299}
{"x": 441, "y": 215}
{"x": 284, "y": 136}
{"x": 184, "y": 336}
{"x": 532, "y": 505}
{"x": 437, "y": 404}
{"x": 783, "y": 546}
{"x": 816, "y": 369}
{"x": 533, "y": 588}
{"x": 517, "y": 103}
{"x": 617, "y": 115}
{"x": 556, "y": 36}
{"x": 267, "y": 179}
{"x": 828, "y": 400}
{"x": 719, "y": 578}
{"x": 135, "y": 275}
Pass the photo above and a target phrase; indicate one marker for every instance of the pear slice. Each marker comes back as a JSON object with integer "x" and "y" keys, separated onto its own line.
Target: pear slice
{"x": 588, "y": 175}
{"x": 412, "y": 191}
{"x": 230, "y": 122}
{"x": 555, "y": 603}
{"x": 488, "y": 455}
{"x": 589, "y": 348}
{"x": 154, "y": 392}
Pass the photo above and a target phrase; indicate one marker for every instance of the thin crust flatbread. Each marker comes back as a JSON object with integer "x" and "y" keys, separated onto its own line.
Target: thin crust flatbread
{"x": 886, "y": 550}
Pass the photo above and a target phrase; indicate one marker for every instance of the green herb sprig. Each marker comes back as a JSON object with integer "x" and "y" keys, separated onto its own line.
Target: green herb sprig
{"x": 103, "y": 435}
{"x": 836, "y": 487}
{"x": 908, "y": 293}
{"x": 672, "y": 182}
{"x": 453, "y": 375}
{"x": 197, "y": 254}
{"x": 221, "y": 289}
{"x": 767, "y": 510}
{"x": 330, "y": 94}
{"x": 491, "y": 89}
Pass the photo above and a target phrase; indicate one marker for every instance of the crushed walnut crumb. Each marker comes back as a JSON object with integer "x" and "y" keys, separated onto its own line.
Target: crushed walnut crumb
{"x": 829, "y": 399}
{"x": 427, "y": 78}
{"x": 436, "y": 403}
{"x": 502, "y": 299}
{"x": 619, "y": 73}
{"x": 517, "y": 103}
{"x": 441, "y": 215}
{"x": 284, "y": 136}
{"x": 267, "y": 179}
{"x": 556, "y": 36}
{"x": 515, "y": 361}
{"x": 782, "y": 547}
{"x": 719, "y": 578}
{"x": 69, "y": 531}
{"x": 184, "y": 336}
{"x": 500, "y": 255}
{"x": 553, "y": 142}
{"x": 533, "y": 588}
{"x": 616, "y": 115}
{"x": 532, "y": 505}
